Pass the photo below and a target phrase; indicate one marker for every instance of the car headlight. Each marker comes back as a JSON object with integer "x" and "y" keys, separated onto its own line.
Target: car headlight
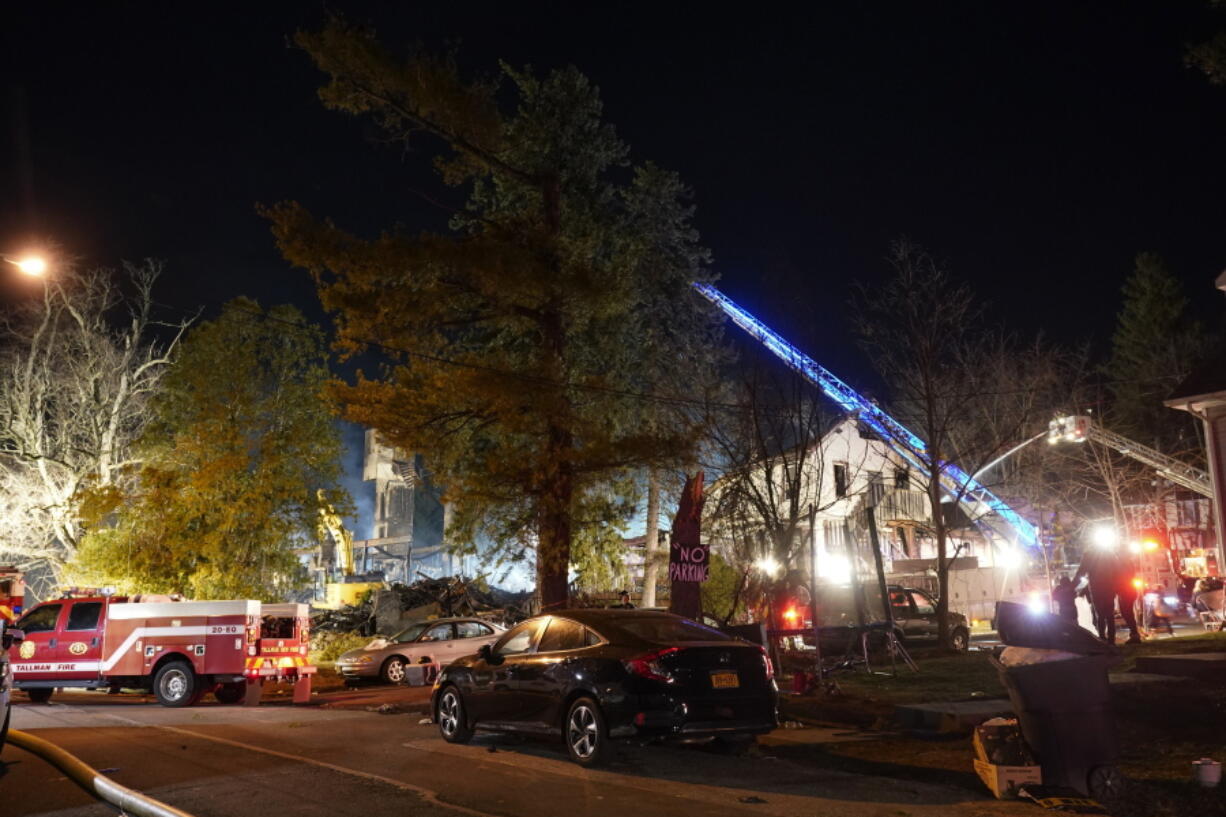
{"x": 365, "y": 659}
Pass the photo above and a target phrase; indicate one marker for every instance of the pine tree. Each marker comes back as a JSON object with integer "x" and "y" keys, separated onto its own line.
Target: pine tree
{"x": 1156, "y": 343}
{"x": 520, "y": 343}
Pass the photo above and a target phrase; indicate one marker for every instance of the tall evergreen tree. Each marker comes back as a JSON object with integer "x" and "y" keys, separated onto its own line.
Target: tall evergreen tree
{"x": 519, "y": 342}
{"x": 1156, "y": 343}
{"x": 1210, "y": 55}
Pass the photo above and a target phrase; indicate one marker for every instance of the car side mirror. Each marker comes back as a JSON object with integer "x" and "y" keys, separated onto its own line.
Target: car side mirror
{"x": 489, "y": 656}
{"x": 10, "y": 638}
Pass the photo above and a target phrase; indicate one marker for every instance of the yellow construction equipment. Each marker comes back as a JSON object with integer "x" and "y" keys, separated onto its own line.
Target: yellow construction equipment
{"x": 351, "y": 586}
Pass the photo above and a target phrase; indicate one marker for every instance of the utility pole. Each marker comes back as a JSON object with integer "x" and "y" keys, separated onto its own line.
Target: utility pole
{"x": 813, "y": 607}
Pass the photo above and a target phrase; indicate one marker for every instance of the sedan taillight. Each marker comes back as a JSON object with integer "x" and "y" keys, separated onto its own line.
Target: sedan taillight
{"x": 766, "y": 660}
{"x": 648, "y": 665}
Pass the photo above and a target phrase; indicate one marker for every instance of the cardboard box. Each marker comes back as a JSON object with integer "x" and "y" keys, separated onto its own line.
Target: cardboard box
{"x": 1004, "y": 781}
{"x": 1000, "y": 741}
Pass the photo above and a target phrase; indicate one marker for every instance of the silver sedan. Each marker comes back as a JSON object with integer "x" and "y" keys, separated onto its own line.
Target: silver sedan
{"x": 433, "y": 644}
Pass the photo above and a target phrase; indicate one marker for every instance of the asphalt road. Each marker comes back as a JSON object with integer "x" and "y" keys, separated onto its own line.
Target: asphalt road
{"x": 316, "y": 760}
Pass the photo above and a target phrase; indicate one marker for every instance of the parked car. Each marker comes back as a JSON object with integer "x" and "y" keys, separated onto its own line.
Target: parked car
{"x": 440, "y": 642}
{"x": 915, "y": 618}
{"x": 915, "y": 622}
{"x": 8, "y": 638}
{"x": 594, "y": 676}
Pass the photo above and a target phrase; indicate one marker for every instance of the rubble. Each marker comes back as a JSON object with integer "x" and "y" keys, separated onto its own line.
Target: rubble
{"x": 382, "y": 612}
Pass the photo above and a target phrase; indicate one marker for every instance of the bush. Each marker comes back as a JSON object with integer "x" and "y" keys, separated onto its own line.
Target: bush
{"x": 328, "y": 646}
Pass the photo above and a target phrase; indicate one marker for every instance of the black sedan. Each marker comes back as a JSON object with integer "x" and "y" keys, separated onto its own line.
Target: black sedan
{"x": 594, "y": 676}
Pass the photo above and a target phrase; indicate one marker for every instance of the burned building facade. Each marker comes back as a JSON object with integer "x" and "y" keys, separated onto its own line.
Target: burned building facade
{"x": 407, "y": 531}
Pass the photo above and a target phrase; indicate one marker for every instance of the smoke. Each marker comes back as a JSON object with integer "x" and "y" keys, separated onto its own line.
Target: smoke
{"x": 363, "y": 493}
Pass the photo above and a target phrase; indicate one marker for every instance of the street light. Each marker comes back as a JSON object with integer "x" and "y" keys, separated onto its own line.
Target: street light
{"x": 1104, "y": 536}
{"x": 1012, "y": 558}
{"x": 32, "y": 265}
{"x": 767, "y": 565}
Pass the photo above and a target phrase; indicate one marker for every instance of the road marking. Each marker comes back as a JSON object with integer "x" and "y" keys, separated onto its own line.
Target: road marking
{"x": 427, "y": 794}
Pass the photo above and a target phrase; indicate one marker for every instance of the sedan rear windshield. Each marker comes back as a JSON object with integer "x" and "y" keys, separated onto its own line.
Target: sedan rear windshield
{"x": 667, "y": 630}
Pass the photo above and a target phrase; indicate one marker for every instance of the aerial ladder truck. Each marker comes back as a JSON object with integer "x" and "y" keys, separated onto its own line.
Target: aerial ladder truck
{"x": 1077, "y": 428}
{"x": 1158, "y": 564}
{"x": 980, "y": 504}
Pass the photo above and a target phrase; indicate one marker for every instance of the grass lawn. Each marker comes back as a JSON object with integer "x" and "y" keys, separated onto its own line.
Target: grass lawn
{"x": 942, "y": 677}
{"x": 1201, "y": 642}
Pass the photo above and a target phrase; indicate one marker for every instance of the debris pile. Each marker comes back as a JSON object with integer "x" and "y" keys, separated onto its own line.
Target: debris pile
{"x": 384, "y": 611}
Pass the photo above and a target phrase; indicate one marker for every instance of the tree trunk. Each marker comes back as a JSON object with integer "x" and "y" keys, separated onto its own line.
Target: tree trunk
{"x": 558, "y": 486}
{"x": 651, "y": 566}
{"x": 942, "y": 536}
{"x": 685, "y": 599}
{"x": 553, "y": 547}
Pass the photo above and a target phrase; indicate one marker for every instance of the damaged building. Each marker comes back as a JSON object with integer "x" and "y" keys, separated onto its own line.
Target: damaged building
{"x": 406, "y": 536}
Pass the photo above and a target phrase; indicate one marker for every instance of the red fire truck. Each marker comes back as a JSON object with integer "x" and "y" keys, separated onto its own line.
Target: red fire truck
{"x": 12, "y": 590}
{"x": 179, "y": 650}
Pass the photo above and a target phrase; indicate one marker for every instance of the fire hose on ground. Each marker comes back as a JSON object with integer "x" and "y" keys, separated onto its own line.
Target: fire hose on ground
{"x": 92, "y": 781}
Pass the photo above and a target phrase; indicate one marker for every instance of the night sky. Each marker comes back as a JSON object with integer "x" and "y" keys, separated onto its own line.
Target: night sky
{"x": 1035, "y": 146}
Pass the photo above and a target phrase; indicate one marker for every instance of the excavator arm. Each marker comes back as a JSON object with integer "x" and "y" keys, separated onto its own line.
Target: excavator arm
{"x": 330, "y": 523}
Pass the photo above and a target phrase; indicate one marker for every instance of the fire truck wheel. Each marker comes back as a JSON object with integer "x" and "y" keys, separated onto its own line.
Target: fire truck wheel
{"x": 40, "y": 696}
{"x": 393, "y": 670}
{"x": 175, "y": 684}
{"x": 230, "y": 693}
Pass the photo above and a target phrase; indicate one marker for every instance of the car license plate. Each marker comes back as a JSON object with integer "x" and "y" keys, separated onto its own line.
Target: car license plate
{"x": 725, "y": 680}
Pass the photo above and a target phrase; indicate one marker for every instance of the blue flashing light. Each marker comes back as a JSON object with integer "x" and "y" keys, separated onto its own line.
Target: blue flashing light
{"x": 905, "y": 443}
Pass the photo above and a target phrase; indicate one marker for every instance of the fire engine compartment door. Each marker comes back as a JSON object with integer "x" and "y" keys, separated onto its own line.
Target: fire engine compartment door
{"x": 80, "y": 642}
{"x": 35, "y": 658}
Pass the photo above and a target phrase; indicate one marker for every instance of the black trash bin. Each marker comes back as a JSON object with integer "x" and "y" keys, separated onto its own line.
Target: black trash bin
{"x": 1064, "y": 707}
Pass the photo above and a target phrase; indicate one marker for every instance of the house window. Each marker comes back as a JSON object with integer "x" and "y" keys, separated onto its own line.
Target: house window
{"x": 902, "y": 479}
{"x": 1187, "y": 513}
{"x": 840, "y": 479}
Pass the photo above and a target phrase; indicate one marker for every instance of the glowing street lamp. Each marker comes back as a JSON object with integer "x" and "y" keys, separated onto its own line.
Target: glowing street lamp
{"x": 1104, "y": 536}
{"x": 32, "y": 265}
{"x": 767, "y": 565}
{"x": 1012, "y": 558}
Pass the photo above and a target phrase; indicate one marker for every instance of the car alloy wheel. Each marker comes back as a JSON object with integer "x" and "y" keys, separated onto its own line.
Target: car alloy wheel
{"x": 393, "y": 671}
{"x": 582, "y": 732}
{"x": 450, "y": 716}
{"x": 587, "y": 743}
{"x": 449, "y": 713}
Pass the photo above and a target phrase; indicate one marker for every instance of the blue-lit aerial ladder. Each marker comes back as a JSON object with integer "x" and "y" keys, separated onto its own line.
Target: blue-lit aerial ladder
{"x": 980, "y": 504}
